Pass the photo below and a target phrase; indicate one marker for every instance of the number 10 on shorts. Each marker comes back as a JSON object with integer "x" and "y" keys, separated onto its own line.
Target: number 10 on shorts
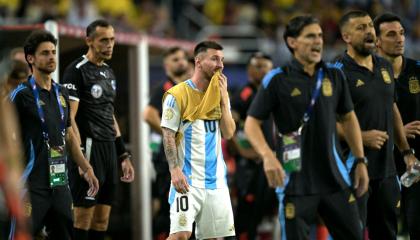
{"x": 182, "y": 203}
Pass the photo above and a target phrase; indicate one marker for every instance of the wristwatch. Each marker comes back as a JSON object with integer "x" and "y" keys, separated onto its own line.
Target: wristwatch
{"x": 361, "y": 160}
{"x": 408, "y": 152}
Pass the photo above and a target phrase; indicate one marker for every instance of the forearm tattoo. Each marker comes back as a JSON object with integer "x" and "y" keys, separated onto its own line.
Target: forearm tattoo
{"x": 169, "y": 145}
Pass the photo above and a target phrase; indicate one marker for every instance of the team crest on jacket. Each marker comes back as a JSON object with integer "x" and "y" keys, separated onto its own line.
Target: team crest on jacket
{"x": 96, "y": 91}
{"x": 326, "y": 87}
{"x": 413, "y": 85}
{"x": 385, "y": 76}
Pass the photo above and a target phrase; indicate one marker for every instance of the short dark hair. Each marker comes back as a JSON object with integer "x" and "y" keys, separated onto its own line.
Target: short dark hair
{"x": 203, "y": 46}
{"x": 171, "y": 51}
{"x": 295, "y": 26}
{"x": 258, "y": 55}
{"x": 90, "y": 30}
{"x": 34, "y": 40}
{"x": 384, "y": 18}
{"x": 350, "y": 15}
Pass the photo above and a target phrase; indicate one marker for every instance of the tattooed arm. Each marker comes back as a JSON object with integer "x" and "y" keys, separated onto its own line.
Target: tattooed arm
{"x": 178, "y": 178}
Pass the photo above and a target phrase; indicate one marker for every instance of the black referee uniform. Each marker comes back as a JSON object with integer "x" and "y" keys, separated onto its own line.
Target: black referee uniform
{"x": 255, "y": 198}
{"x": 373, "y": 97}
{"x": 160, "y": 187}
{"x": 48, "y": 206}
{"x": 95, "y": 89}
{"x": 322, "y": 185}
{"x": 407, "y": 89}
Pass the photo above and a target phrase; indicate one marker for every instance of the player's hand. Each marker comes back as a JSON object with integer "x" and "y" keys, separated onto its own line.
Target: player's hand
{"x": 374, "y": 138}
{"x": 179, "y": 181}
{"x": 361, "y": 179}
{"x": 224, "y": 95}
{"x": 128, "y": 171}
{"x": 410, "y": 162}
{"x": 412, "y": 129}
{"x": 91, "y": 179}
{"x": 273, "y": 170}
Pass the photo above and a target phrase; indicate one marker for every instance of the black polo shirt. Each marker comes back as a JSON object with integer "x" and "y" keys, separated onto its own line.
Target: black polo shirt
{"x": 373, "y": 97}
{"x": 241, "y": 102}
{"x": 95, "y": 88}
{"x": 286, "y": 92}
{"x": 407, "y": 90}
{"x": 35, "y": 149}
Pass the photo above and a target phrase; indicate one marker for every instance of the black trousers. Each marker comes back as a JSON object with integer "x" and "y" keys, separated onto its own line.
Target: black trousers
{"x": 52, "y": 208}
{"x": 411, "y": 198}
{"x": 338, "y": 210}
{"x": 379, "y": 208}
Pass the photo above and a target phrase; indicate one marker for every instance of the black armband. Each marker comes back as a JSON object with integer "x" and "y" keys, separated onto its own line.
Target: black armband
{"x": 120, "y": 146}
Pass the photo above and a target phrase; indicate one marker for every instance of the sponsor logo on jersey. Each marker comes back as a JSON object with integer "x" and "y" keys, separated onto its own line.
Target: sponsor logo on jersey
{"x": 96, "y": 91}
{"x": 359, "y": 83}
{"x": 70, "y": 86}
{"x": 295, "y": 92}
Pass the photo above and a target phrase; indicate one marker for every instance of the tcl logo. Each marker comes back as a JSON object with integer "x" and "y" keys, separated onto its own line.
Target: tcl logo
{"x": 70, "y": 86}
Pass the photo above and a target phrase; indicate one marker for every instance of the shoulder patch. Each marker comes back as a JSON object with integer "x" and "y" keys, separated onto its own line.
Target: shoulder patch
{"x": 246, "y": 93}
{"x": 267, "y": 78}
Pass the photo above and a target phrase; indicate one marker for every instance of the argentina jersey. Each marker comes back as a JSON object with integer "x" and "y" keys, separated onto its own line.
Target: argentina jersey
{"x": 198, "y": 146}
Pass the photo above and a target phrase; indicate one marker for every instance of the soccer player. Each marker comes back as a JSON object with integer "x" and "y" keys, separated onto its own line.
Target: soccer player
{"x": 196, "y": 115}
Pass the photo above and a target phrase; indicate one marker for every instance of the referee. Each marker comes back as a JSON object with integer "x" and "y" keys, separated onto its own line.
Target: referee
{"x": 92, "y": 89}
{"x": 371, "y": 83}
{"x": 307, "y": 93}
{"x": 390, "y": 45}
{"x": 43, "y": 110}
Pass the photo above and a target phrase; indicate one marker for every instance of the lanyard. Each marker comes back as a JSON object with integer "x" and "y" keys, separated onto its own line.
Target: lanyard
{"x": 315, "y": 95}
{"x": 41, "y": 111}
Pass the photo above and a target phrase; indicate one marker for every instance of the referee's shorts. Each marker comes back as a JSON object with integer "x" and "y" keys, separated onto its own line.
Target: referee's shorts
{"x": 103, "y": 158}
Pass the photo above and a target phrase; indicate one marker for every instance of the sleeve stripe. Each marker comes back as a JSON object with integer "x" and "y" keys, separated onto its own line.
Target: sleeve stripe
{"x": 85, "y": 60}
{"x": 74, "y": 98}
{"x": 267, "y": 78}
{"x": 16, "y": 91}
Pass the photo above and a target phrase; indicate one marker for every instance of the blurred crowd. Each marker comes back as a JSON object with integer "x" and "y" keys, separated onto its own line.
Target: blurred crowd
{"x": 162, "y": 17}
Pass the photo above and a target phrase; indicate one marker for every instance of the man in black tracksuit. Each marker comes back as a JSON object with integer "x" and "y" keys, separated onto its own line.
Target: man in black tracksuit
{"x": 390, "y": 45}
{"x": 323, "y": 184}
{"x": 42, "y": 107}
{"x": 372, "y": 90}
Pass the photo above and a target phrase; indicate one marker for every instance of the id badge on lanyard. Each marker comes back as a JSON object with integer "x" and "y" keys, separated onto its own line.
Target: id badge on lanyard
{"x": 57, "y": 158}
{"x": 57, "y": 162}
{"x": 291, "y": 148}
{"x": 291, "y": 151}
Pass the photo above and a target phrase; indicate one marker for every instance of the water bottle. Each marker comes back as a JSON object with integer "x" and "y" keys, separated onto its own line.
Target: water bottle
{"x": 408, "y": 178}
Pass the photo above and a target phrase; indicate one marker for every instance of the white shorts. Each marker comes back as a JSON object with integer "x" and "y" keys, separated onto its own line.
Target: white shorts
{"x": 210, "y": 209}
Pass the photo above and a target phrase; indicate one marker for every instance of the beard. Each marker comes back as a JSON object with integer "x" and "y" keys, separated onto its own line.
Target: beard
{"x": 362, "y": 50}
{"x": 179, "y": 72}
